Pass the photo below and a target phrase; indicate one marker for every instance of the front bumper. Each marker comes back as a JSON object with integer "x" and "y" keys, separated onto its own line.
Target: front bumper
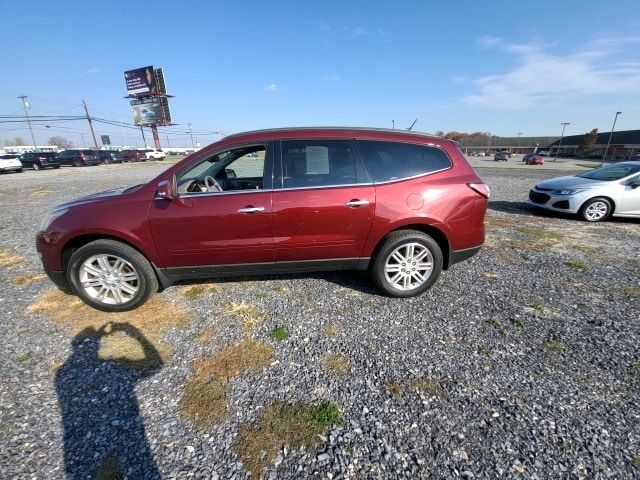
{"x": 556, "y": 203}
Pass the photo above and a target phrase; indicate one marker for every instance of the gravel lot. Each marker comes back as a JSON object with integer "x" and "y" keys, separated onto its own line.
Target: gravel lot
{"x": 523, "y": 362}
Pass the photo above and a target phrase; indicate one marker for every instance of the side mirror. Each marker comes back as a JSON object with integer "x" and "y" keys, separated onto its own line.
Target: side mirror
{"x": 167, "y": 188}
{"x": 635, "y": 184}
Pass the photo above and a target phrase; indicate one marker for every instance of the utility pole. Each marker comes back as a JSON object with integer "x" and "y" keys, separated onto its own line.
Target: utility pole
{"x": 564, "y": 125}
{"x": 193, "y": 145}
{"x": 393, "y": 124}
{"x": 168, "y": 144}
{"x": 610, "y": 135}
{"x": 93, "y": 134}
{"x": 25, "y": 104}
{"x": 143, "y": 138}
{"x": 83, "y": 142}
{"x": 124, "y": 136}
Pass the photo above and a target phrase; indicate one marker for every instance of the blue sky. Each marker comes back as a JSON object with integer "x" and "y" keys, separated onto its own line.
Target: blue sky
{"x": 502, "y": 67}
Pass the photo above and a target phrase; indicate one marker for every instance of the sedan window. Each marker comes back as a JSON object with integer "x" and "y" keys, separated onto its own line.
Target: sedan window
{"x": 611, "y": 172}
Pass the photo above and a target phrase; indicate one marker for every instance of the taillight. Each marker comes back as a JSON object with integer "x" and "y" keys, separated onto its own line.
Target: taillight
{"x": 481, "y": 188}
{"x": 42, "y": 158}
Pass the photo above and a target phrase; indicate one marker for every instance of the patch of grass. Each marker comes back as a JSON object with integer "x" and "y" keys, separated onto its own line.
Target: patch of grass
{"x": 556, "y": 347}
{"x": 577, "y": 264}
{"x": 109, "y": 469}
{"x": 23, "y": 357}
{"x": 526, "y": 231}
{"x": 492, "y": 221}
{"x": 41, "y": 192}
{"x": 636, "y": 461}
{"x": 279, "y": 333}
{"x": 517, "y": 322}
{"x": 8, "y": 259}
{"x": 26, "y": 280}
{"x": 429, "y": 385}
{"x": 336, "y": 365}
{"x": 244, "y": 313}
{"x": 280, "y": 289}
{"x": 204, "y": 397}
{"x": 631, "y": 292}
{"x": 281, "y": 424}
{"x": 123, "y": 336}
{"x": 538, "y": 307}
{"x": 193, "y": 293}
{"x": 490, "y": 275}
{"x": 484, "y": 351}
{"x": 208, "y": 334}
{"x": 332, "y": 329}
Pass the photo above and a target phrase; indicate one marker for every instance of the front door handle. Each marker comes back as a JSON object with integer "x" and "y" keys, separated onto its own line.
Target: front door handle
{"x": 251, "y": 209}
{"x": 356, "y": 203}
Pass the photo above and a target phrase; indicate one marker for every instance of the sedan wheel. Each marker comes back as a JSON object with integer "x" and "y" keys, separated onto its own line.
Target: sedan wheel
{"x": 111, "y": 276}
{"x": 407, "y": 264}
{"x": 596, "y": 209}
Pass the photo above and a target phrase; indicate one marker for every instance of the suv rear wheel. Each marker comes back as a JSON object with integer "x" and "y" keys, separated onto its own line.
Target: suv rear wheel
{"x": 111, "y": 276}
{"x": 408, "y": 263}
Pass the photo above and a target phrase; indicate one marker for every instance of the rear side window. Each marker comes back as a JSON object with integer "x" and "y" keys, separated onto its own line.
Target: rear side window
{"x": 321, "y": 163}
{"x": 392, "y": 161}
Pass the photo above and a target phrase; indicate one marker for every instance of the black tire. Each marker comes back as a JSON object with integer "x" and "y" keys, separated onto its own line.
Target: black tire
{"x": 55, "y": 167}
{"x": 77, "y": 163}
{"x": 391, "y": 243}
{"x": 596, "y": 209}
{"x": 106, "y": 161}
{"x": 147, "y": 283}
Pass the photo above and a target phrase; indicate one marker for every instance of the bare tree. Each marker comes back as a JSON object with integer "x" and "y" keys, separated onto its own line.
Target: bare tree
{"x": 586, "y": 147}
{"x": 61, "y": 142}
{"x": 15, "y": 142}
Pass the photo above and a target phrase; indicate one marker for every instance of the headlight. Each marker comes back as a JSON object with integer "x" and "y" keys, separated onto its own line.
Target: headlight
{"x": 568, "y": 191}
{"x": 51, "y": 216}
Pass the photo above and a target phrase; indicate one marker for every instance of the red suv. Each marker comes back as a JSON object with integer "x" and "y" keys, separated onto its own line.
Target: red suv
{"x": 401, "y": 204}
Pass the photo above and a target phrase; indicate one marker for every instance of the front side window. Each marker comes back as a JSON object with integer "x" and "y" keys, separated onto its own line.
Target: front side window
{"x": 232, "y": 170}
{"x": 389, "y": 161}
{"x": 611, "y": 172}
{"x": 320, "y": 163}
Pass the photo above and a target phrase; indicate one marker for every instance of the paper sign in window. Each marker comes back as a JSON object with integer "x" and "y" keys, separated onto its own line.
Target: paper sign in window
{"x": 317, "y": 160}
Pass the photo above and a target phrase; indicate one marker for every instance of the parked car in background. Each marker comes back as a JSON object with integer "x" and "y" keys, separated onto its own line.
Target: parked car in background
{"x": 154, "y": 154}
{"x": 134, "y": 156}
{"x": 535, "y": 160}
{"x": 594, "y": 195}
{"x": 501, "y": 157}
{"x": 40, "y": 160}
{"x": 310, "y": 199}
{"x": 110, "y": 156}
{"x": 10, "y": 163}
{"x": 79, "y": 158}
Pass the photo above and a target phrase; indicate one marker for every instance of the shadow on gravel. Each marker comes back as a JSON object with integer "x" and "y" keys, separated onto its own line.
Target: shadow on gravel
{"x": 523, "y": 208}
{"x": 351, "y": 279}
{"x": 104, "y": 437}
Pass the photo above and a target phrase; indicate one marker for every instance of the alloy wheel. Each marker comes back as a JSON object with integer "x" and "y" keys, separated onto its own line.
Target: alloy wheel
{"x": 596, "y": 211}
{"x": 409, "y": 266}
{"x": 109, "y": 279}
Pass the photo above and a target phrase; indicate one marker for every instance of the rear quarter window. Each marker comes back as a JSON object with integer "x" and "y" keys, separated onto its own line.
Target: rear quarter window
{"x": 389, "y": 161}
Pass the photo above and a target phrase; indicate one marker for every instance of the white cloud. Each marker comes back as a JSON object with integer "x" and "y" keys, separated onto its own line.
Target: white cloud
{"x": 330, "y": 78}
{"x": 272, "y": 87}
{"x": 541, "y": 78}
{"x": 92, "y": 71}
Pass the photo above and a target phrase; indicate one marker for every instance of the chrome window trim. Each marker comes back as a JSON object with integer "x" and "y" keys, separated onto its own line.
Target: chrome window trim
{"x": 228, "y": 192}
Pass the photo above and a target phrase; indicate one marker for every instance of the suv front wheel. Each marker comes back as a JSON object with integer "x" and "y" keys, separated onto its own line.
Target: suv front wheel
{"x": 408, "y": 263}
{"x": 111, "y": 276}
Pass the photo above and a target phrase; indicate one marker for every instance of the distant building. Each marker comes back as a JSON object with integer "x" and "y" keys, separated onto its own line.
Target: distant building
{"x": 624, "y": 144}
{"x": 30, "y": 148}
{"x": 491, "y": 145}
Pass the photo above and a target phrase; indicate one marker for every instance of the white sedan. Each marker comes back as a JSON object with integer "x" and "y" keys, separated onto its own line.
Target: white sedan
{"x": 594, "y": 195}
{"x": 10, "y": 163}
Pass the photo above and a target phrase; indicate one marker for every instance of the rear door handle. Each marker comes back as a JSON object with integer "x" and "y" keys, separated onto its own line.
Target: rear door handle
{"x": 357, "y": 203}
{"x": 250, "y": 209}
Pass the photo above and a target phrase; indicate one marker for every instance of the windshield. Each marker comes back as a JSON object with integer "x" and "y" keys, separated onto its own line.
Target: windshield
{"x": 612, "y": 172}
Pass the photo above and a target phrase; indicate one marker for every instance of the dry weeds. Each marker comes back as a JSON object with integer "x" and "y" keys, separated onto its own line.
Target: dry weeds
{"x": 8, "y": 259}
{"x": 336, "y": 365}
{"x": 129, "y": 338}
{"x": 28, "y": 279}
{"x": 280, "y": 424}
{"x": 429, "y": 385}
{"x": 244, "y": 313}
{"x": 332, "y": 329}
{"x": 204, "y": 398}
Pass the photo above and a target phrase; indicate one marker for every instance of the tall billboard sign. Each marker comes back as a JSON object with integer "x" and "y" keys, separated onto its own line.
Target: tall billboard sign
{"x": 148, "y": 93}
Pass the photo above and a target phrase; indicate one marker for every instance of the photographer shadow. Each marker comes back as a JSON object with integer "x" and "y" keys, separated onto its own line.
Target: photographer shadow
{"x": 104, "y": 436}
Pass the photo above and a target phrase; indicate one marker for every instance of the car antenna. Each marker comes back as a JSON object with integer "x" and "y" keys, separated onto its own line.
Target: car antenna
{"x": 414, "y": 122}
